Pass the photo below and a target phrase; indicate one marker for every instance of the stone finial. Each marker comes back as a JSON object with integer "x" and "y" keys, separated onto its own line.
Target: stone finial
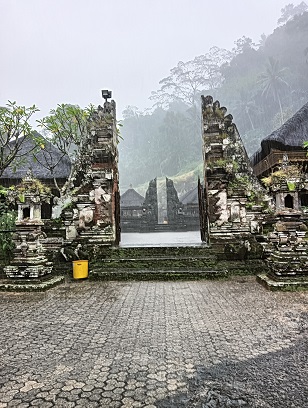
{"x": 214, "y": 114}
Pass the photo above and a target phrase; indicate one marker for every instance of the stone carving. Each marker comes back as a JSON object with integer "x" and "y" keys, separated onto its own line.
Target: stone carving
{"x": 230, "y": 186}
{"x": 287, "y": 248}
{"x": 150, "y": 206}
{"x": 98, "y": 200}
{"x": 29, "y": 254}
{"x": 174, "y": 206}
{"x": 85, "y": 217}
{"x": 99, "y": 196}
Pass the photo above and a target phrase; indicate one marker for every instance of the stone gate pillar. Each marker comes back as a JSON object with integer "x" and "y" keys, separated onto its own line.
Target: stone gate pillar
{"x": 231, "y": 190}
{"x": 98, "y": 201}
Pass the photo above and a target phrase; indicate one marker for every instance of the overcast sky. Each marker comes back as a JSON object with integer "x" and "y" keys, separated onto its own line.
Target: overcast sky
{"x": 66, "y": 51}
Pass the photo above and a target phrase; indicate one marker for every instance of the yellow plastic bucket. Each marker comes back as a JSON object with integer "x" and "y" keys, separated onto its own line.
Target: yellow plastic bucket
{"x": 80, "y": 269}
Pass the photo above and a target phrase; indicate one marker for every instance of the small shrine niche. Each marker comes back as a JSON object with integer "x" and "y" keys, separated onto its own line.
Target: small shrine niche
{"x": 24, "y": 213}
{"x": 289, "y": 201}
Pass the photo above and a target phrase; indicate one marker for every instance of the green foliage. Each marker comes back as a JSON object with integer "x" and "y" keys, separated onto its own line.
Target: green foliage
{"x": 290, "y": 11}
{"x": 3, "y": 202}
{"x": 3, "y": 191}
{"x": 284, "y": 175}
{"x": 231, "y": 166}
{"x": 272, "y": 82}
{"x": 53, "y": 223}
{"x": 240, "y": 182}
{"x": 188, "y": 79}
{"x": 15, "y": 130}
{"x": 158, "y": 145}
{"x": 66, "y": 126}
{"x": 265, "y": 85}
{"x": 291, "y": 185}
{"x": 261, "y": 85}
{"x": 7, "y": 223}
{"x": 254, "y": 196}
{"x": 35, "y": 187}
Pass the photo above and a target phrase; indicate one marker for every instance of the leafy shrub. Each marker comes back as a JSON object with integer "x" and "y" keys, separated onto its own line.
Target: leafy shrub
{"x": 7, "y": 223}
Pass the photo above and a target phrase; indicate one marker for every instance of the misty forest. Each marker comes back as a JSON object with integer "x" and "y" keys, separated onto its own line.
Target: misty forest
{"x": 262, "y": 85}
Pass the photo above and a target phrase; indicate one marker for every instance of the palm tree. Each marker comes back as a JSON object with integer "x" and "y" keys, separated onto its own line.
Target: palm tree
{"x": 273, "y": 82}
{"x": 244, "y": 106}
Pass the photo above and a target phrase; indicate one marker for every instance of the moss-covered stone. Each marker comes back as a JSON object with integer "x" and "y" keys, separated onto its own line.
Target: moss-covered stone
{"x": 30, "y": 285}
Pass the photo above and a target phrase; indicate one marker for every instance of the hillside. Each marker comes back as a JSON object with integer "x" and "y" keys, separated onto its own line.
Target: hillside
{"x": 261, "y": 85}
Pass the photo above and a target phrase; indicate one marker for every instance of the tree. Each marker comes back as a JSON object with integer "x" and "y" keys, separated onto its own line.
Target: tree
{"x": 244, "y": 107}
{"x": 188, "y": 79}
{"x": 273, "y": 82}
{"x": 262, "y": 40}
{"x": 243, "y": 44}
{"x": 67, "y": 129}
{"x": 177, "y": 144}
{"x": 289, "y": 11}
{"x": 130, "y": 111}
{"x": 15, "y": 129}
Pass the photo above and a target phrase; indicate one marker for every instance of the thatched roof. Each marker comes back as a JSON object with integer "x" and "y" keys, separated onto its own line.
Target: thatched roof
{"x": 50, "y": 154}
{"x": 290, "y": 136}
{"x": 131, "y": 198}
{"x": 191, "y": 197}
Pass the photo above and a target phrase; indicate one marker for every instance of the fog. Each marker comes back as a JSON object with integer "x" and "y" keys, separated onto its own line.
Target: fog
{"x": 66, "y": 51}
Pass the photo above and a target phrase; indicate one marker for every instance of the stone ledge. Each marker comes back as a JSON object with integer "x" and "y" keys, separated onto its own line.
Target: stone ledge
{"x": 286, "y": 285}
{"x": 27, "y": 285}
{"x": 165, "y": 275}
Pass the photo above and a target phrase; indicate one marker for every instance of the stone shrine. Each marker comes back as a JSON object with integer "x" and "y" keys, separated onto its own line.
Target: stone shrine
{"x": 287, "y": 248}
{"x": 29, "y": 254}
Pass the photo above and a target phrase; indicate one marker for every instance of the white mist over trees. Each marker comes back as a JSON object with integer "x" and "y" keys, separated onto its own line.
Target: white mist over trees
{"x": 262, "y": 85}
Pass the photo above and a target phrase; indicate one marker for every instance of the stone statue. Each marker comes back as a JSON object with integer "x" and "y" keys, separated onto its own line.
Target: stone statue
{"x": 85, "y": 217}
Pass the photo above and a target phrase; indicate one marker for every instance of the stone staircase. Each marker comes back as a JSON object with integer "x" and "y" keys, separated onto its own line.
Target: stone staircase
{"x": 165, "y": 263}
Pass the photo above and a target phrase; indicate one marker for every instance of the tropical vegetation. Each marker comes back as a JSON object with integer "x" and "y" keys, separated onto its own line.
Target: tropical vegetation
{"x": 262, "y": 85}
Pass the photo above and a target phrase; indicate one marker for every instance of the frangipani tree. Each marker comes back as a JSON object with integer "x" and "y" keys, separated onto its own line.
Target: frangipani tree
{"x": 15, "y": 129}
{"x": 67, "y": 129}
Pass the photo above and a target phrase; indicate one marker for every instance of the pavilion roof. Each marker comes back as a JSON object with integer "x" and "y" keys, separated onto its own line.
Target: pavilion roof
{"x": 39, "y": 171}
{"x": 290, "y": 136}
{"x": 131, "y": 198}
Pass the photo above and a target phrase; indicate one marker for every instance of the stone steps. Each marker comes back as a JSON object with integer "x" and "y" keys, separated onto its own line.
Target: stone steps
{"x": 169, "y": 263}
{"x": 156, "y": 252}
{"x": 288, "y": 285}
{"x": 139, "y": 274}
{"x": 30, "y": 285}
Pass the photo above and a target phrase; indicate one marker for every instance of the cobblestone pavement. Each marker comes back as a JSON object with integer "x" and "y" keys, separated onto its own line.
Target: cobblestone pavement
{"x": 154, "y": 344}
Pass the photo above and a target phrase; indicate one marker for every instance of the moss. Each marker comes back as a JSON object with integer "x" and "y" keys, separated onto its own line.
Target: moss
{"x": 291, "y": 186}
{"x": 231, "y": 166}
{"x": 157, "y": 275}
{"x": 292, "y": 288}
{"x": 283, "y": 175}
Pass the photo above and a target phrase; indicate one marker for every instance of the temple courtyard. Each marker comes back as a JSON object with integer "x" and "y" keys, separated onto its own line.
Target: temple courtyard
{"x": 217, "y": 343}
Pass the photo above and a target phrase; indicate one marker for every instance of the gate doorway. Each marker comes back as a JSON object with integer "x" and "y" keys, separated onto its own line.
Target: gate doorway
{"x": 160, "y": 218}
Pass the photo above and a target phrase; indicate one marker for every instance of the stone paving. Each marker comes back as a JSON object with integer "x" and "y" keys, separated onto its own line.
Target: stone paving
{"x": 154, "y": 344}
